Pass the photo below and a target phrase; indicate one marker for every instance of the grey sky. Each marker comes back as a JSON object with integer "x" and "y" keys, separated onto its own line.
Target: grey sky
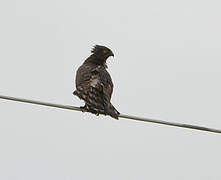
{"x": 166, "y": 66}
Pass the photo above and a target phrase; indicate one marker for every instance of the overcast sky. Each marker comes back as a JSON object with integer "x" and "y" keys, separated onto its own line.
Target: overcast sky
{"x": 166, "y": 66}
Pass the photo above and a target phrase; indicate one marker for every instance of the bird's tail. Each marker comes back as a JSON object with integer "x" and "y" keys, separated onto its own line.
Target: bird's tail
{"x": 110, "y": 110}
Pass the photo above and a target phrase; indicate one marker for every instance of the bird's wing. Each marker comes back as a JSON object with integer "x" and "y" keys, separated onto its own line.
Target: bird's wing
{"x": 106, "y": 81}
{"x": 94, "y": 86}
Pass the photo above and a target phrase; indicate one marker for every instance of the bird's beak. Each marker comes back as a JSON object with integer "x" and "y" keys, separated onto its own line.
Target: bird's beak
{"x": 111, "y": 54}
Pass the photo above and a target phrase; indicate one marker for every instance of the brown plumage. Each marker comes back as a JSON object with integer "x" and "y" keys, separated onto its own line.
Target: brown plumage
{"x": 94, "y": 84}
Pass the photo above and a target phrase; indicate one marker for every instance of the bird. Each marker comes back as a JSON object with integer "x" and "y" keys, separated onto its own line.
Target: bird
{"x": 94, "y": 84}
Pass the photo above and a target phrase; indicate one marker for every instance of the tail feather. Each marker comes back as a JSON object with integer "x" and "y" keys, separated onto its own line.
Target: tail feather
{"x": 110, "y": 110}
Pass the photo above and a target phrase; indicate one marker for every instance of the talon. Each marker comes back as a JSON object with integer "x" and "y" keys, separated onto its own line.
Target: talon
{"x": 87, "y": 108}
{"x": 83, "y": 108}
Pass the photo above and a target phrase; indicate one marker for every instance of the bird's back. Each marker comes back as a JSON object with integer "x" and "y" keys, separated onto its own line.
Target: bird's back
{"x": 95, "y": 87}
{"x": 94, "y": 84}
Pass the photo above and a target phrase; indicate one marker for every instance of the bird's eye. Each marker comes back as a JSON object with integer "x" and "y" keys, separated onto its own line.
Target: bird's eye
{"x": 105, "y": 51}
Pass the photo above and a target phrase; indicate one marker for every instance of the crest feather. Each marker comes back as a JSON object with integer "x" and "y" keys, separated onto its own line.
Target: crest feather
{"x": 97, "y": 48}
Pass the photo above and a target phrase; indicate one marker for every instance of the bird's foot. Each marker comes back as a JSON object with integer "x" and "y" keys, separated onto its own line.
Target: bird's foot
{"x": 88, "y": 109}
{"x": 84, "y": 108}
{"x": 94, "y": 112}
{"x": 91, "y": 110}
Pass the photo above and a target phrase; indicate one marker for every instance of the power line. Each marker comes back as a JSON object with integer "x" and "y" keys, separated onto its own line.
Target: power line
{"x": 121, "y": 115}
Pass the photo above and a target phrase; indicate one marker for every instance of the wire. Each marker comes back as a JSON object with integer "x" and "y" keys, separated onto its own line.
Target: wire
{"x": 121, "y": 115}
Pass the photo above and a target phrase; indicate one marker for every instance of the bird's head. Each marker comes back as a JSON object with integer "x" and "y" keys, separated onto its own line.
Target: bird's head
{"x": 102, "y": 52}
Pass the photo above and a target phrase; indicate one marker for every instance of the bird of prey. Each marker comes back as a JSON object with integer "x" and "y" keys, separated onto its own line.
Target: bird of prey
{"x": 94, "y": 84}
